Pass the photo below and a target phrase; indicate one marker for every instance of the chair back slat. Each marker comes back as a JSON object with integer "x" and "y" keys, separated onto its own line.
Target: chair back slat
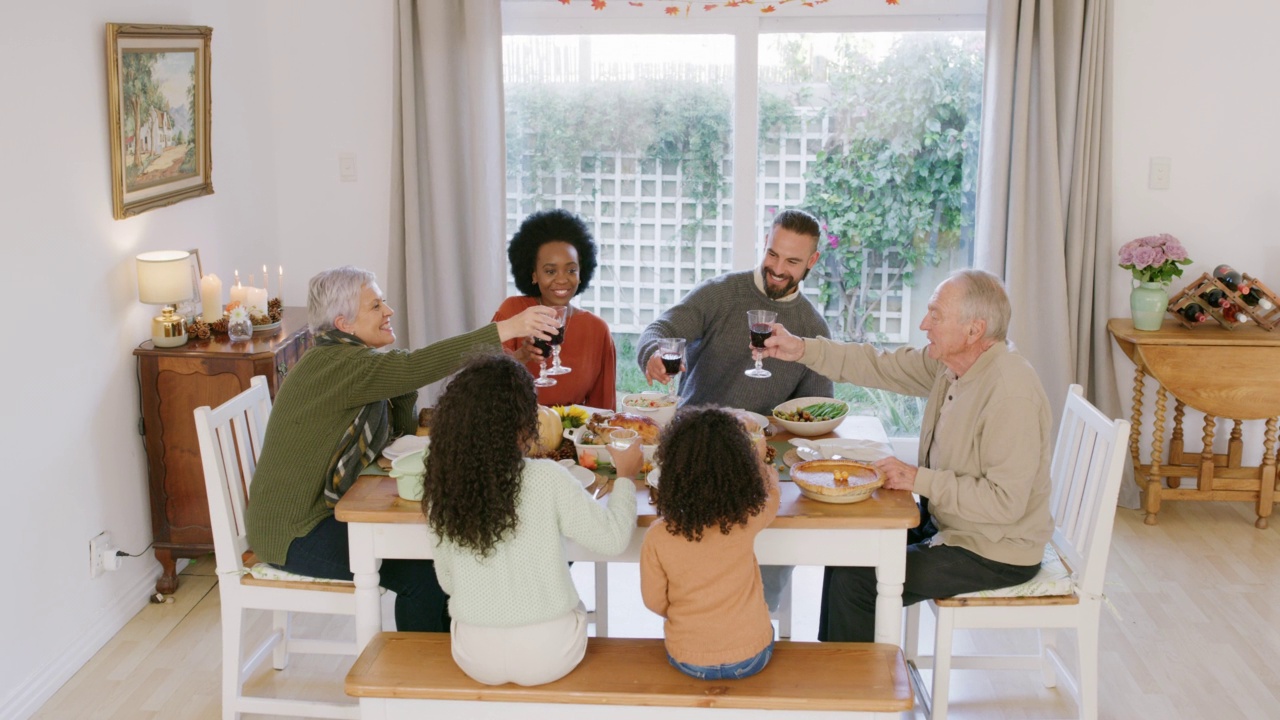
{"x": 230, "y": 443}
{"x": 1087, "y": 466}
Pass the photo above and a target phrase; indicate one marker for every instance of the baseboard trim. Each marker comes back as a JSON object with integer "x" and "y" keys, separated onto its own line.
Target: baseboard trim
{"x": 36, "y": 690}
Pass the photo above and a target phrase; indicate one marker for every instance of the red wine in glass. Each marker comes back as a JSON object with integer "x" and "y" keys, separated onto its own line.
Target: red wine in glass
{"x": 671, "y": 362}
{"x": 759, "y": 333}
{"x": 557, "y": 337}
{"x": 544, "y": 346}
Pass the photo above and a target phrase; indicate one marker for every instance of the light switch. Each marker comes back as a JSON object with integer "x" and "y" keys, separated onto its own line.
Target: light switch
{"x": 347, "y": 167}
{"x": 1158, "y": 174}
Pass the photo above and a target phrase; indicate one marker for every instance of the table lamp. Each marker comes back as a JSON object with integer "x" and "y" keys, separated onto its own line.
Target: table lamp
{"x": 164, "y": 278}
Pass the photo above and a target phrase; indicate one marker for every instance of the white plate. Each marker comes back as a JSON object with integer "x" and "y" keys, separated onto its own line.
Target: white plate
{"x": 579, "y": 473}
{"x": 757, "y": 418}
{"x": 847, "y": 448}
{"x": 404, "y": 445}
{"x": 268, "y": 327}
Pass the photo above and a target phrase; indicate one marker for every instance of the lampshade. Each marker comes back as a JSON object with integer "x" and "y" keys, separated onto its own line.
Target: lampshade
{"x": 164, "y": 277}
{"x": 167, "y": 278}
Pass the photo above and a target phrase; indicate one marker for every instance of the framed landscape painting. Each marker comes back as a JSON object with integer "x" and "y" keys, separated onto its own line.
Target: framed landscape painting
{"x": 158, "y": 91}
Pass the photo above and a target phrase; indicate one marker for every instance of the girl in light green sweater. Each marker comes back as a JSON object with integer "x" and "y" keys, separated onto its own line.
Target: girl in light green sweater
{"x": 501, "y": 520}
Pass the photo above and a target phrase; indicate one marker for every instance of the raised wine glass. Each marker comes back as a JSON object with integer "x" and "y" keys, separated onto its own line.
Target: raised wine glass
{"x": 671, "y": 350}
{"x": 562, "y": 319}
{"x": 544, "y": 379}
{"x": 761, "y": 323}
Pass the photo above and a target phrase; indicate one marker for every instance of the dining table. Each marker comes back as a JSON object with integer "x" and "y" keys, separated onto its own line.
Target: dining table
{"x": 872, "y": 533}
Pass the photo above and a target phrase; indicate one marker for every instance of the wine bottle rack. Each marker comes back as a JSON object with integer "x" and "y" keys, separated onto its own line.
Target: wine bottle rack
{"x": 1266, "y": 319}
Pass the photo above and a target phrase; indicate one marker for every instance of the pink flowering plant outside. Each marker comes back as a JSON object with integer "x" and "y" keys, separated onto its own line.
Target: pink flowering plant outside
{"x": 1155, "y": 258}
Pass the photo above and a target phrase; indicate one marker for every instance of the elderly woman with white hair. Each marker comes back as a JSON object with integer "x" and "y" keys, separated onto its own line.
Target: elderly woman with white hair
{"x": 339, "y": 407}
{"x": 982, "y": 473}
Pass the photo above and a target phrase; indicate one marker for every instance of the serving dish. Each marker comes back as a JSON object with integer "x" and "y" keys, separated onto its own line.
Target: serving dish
{"x": 804, "y": 428}
{"x": 600, "y": 451}
{"x": 657, "y": 405}
{"x": 842, "y": 449}
{"x": 817, "y": 480}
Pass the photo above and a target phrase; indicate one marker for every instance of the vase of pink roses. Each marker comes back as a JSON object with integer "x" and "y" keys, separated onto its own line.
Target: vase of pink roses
{"x": 1154, "y": 260}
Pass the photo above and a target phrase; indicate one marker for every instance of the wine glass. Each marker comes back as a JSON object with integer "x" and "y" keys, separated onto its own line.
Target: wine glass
{"x": 562, "y": 319}
{"x": 761, "y": 323}
{"x": 543, "y": 379}
{"x": 671, "y": 351}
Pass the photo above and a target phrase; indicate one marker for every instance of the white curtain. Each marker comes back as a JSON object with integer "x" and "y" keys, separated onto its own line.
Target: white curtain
{"x": 1044, "y": 198}
{"x": 447, "y": 256}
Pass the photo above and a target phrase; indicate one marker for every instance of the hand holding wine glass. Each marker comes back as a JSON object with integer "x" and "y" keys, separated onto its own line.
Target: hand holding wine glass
{"x": 761, "y": 325}
{"x": 671, "y": 351}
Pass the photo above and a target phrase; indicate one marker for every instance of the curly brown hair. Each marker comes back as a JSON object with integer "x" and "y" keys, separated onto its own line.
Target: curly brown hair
{"x": 710, "y": 473}
{"x": 483, "y": 424}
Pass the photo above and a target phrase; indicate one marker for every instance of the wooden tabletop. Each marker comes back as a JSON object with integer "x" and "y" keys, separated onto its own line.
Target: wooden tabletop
{"x": 1227, "y": 373}
{"x": 374, "y": 499}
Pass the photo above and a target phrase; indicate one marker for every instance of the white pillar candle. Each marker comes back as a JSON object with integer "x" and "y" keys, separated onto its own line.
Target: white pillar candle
{"x": 239, "y": 292}
{"x": 280, "y": 287}
{"x": 256, "y": 301}
{"x": 266, "y": 281}
{"x": 210, "y": 298}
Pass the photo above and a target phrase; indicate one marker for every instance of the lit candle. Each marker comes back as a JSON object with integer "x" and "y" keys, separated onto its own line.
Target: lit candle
{"x": 280, "y": 287}
{"x": 256, "y": 301}
{"x": 266, "y": 282}
{"x": 210, "y": 298}
{"x": 238, "y": 291}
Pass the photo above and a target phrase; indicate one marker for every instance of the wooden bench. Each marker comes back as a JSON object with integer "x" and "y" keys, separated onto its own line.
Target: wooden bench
{"x": 413, "y": 675}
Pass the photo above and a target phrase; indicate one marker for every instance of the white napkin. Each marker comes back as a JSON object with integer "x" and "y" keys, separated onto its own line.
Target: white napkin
{"x": 404, "y": 445}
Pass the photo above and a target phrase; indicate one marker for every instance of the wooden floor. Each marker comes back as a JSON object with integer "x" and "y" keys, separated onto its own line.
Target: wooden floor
{"x": 1192, "y": 631}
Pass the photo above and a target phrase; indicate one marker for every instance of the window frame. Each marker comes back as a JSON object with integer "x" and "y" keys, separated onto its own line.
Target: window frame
{"x": 746, "y": 25}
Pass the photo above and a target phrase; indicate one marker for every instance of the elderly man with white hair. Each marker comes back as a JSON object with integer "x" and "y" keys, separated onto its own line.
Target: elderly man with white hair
{"x": 982, "y": 473}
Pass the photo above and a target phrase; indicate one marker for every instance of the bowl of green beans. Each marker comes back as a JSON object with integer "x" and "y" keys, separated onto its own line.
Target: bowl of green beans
{"x": 810, "y": 416}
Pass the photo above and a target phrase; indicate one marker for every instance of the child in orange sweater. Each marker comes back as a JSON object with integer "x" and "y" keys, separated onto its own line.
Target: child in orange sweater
{"x": 698, "y": 566}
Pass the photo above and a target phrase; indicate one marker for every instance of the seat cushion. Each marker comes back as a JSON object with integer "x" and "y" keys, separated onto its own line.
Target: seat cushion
{"x": 267, "y": 571}
{"x": 1053, "y": 579}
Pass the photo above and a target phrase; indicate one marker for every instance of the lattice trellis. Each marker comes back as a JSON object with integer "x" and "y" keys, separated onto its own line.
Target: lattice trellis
{"x": 636, "y": 209}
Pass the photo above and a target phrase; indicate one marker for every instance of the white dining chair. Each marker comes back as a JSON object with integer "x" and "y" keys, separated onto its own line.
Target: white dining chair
{"x": 1086, "y": 469}
{"x": 230, "y": 442}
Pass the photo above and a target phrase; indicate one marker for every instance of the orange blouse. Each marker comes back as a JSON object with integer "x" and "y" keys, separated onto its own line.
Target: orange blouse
{"x": 587, "y": 349}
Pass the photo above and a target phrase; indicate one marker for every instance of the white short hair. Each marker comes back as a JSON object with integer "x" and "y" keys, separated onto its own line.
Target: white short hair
{"x": 983, "y": 297}
{"x": 336, "y": 293}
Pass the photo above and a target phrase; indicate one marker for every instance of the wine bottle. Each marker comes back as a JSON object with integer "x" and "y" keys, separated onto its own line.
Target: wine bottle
{"x": 1193, "y": 312}
{"x": 1229, "y": 277}
{"x": 1255, "y": 298}
{"x": 1233, "y": 315}
{"x": 1215, "y": 297}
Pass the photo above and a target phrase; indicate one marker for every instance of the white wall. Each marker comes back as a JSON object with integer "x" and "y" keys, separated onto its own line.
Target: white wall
{"x": 1195, "y": 82}
{"x": 293, "y": 83}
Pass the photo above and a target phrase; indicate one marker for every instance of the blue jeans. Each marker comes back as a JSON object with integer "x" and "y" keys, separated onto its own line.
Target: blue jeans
{"x": 421, "y": 605}
{"x": 728, "y": 671}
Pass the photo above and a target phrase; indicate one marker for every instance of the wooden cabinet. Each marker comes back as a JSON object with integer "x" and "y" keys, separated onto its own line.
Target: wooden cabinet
{"x": 174, "y": 382}
{"x": 1229, "y": 374}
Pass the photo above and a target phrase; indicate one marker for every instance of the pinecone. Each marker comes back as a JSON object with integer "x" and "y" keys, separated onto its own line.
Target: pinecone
{"x": 219, "y": 326}
{"x": 567, "y": 450}
{"x": 274, "y": 306}
{"x": 200, "y": 329}
{"x": 275, "y": 313}
{"x": 260, "y": 319}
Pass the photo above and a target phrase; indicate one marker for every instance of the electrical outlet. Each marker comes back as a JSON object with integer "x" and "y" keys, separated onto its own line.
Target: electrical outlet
{"x": 97, "y": 547}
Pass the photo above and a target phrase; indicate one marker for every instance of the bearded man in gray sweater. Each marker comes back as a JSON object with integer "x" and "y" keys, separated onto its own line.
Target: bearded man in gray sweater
{"x": 713, "y": 319}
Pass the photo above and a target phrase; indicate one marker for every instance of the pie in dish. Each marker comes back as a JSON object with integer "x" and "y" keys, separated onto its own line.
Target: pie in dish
{"x": 836, "y": 481}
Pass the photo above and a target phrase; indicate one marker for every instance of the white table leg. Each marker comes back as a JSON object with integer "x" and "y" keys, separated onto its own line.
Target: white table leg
{"x": 365, "y": 568}
{"x": 602, "y": 599}
{"x": 891, "y": 572}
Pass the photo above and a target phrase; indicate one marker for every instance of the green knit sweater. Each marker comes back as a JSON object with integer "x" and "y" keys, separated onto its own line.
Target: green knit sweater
{"x": 317, "y": 402}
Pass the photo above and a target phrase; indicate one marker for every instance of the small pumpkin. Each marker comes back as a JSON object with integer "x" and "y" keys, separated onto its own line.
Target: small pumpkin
{"x": 549, "y": 429}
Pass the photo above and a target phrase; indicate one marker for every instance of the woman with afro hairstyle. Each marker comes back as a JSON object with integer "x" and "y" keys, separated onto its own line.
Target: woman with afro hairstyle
{"x": 501, "y": 519}
{"x": 553, "y": 258}
{"x": 698, "y": 567}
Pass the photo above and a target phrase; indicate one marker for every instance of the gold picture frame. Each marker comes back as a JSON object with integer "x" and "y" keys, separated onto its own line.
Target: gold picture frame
{"x": 159, "y": 114}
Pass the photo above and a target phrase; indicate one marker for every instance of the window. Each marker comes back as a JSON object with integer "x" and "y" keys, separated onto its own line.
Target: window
{"x": 870, "y": 121}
